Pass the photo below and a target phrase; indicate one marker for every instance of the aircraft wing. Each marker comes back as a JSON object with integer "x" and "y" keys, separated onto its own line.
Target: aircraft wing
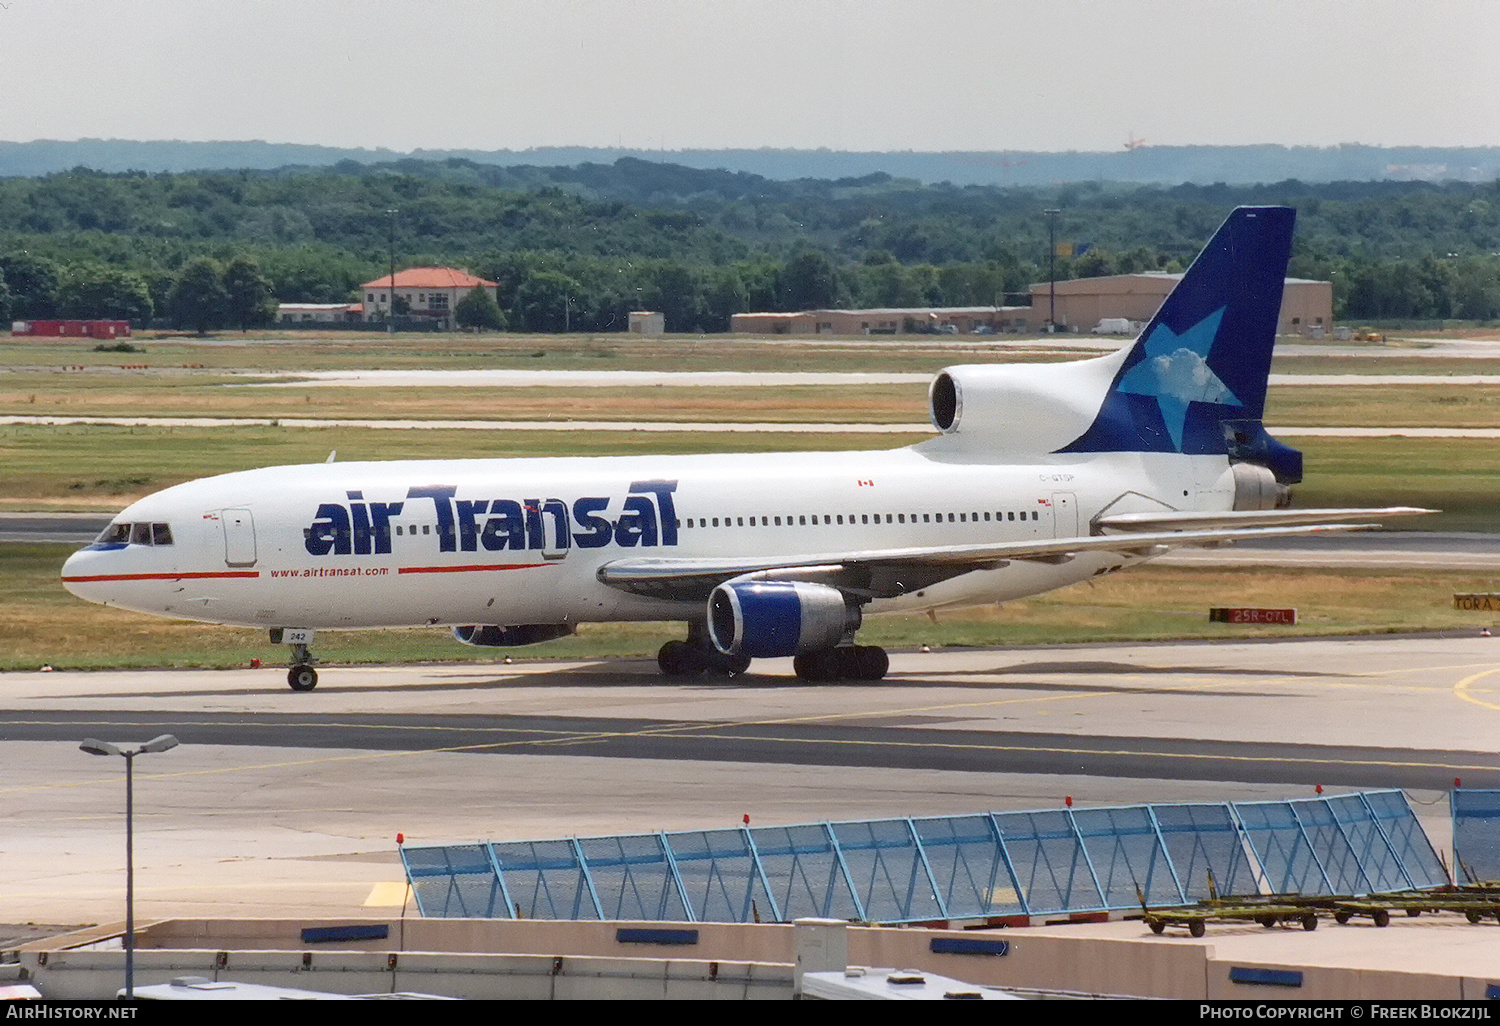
{"x": 888, "y": 573}
{"x": 1174, "y": 521}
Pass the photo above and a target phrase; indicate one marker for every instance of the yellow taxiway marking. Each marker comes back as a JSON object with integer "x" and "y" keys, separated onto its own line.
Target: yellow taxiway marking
{"x": 703, "y": 729}
{"x": 1464, "y": 688}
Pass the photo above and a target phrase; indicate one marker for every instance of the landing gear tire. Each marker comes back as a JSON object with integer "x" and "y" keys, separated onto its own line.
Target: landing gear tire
{"x": 871, "y": 662}
{"x": 816, "y": 667}
{"x": 731, "y": 665}
{"x": 684, "y": 659}
{"x": 302, "y": 677}
{"x": 847, "y": 662}
{"x": 679, "y": 659}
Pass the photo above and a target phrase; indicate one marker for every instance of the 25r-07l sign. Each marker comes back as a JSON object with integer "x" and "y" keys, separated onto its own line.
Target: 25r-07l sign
{"x": 1243, "y": 614}
{"x": 1481, "y": 602}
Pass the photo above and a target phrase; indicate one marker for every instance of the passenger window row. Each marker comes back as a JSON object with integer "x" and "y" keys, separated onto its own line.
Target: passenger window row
{"x": 836, "y": 519}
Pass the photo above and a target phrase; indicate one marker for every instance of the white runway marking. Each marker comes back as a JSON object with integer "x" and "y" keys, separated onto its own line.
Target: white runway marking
{"x": 726, "y": 379}
{"x": 668, "y": 426}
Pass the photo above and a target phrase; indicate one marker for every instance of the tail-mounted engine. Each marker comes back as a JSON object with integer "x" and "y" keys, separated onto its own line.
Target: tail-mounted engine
{"x": 767, "y": 619}
{"x": 1022, "y": 408}
{"x": 1255, "y": 487}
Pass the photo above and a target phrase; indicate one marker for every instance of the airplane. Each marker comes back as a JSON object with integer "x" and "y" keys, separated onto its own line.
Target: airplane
{"x": 1040, "y": 476}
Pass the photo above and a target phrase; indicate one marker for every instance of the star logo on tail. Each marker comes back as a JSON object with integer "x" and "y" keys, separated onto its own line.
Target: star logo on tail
{"x": 1176, "y": 373}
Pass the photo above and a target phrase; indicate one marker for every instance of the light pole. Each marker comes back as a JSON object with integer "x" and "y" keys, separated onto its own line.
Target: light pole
{"x": 156, "y": 744}
{"x": 390, "y": 313}
{"x": 1051, "y": 266}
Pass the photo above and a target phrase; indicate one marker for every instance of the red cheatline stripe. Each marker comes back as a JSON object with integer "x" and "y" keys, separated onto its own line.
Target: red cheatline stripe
{"x": 160, "y": 577}
{"x": 466, "y": 569}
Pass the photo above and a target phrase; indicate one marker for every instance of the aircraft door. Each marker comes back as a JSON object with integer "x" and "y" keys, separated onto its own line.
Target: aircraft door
{"x": 557, "y": 535}
{"x": 239, "y": 537}
{"x": 1064, "y": 515}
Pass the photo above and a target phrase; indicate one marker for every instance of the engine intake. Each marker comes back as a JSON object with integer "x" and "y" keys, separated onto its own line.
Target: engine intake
{"x": 767, "y": 619}
{"x": 490, "y": 636}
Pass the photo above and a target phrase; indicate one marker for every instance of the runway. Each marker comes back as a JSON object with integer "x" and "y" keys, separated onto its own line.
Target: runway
{"x": 281, "y": 803}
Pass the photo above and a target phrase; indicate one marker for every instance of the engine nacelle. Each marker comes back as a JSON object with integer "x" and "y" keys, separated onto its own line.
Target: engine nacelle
{"x": 1023, "y": 408}
{"x": 767, "y": 619}
{"x": 1255, "y": 487}
{"x": 490, "y": 636}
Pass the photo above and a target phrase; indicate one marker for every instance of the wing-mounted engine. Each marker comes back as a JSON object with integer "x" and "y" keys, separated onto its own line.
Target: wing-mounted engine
{"x": 491, "y": 636}
{"x": 1018, "y": 408}
{"x": 767, "y": 619}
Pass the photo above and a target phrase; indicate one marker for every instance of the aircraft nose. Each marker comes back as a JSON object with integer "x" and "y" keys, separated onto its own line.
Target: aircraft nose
{"x": 80, "y": 573}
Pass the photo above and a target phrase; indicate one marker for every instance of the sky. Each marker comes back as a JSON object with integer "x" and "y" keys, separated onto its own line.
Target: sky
{"x": 1047, "y": 75}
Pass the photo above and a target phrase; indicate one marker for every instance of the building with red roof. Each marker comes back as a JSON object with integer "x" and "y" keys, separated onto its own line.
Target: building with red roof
{"x": 430, "y": 292}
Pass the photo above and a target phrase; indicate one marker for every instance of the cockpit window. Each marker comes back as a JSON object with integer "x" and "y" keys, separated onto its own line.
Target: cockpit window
{"x": 135, "y": 534}
{"x": 114, "y": 534}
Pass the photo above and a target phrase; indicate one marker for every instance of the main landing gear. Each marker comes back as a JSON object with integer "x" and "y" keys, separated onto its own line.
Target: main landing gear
{"x": 697, "y": 656}
{"x": 847, "y": 662}
{"x": 694, "y": 658}
{"x": 302, "y": 676}
{"x": 685, "y": 659}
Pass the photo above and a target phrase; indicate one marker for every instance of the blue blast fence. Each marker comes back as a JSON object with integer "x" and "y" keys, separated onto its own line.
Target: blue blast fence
{"x": 933, "y": 869}
{"x": 1476, "y": 836}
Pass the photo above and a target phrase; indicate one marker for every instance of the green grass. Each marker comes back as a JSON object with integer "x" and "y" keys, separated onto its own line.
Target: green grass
{"x": 177, "y": 395}
{"x": 85, "y": 466}
{"x": 41, "y": 624}
{"x": 552, "y": 352}
{"x": 1459, "y": 476}
{"x": 105, "y": 468}
{"x": 1463, "y": 406}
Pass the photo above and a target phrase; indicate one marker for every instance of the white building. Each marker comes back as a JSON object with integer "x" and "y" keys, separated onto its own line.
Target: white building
{"x": 318, "y": 313}
{"x": 647, "y": 322}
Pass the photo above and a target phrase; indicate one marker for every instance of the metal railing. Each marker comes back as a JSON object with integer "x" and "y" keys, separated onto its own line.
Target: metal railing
{"x": 988, "y": 865}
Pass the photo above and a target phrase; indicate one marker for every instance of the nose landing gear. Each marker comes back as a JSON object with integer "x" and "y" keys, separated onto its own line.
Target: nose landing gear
{"x": 302, "y": 676}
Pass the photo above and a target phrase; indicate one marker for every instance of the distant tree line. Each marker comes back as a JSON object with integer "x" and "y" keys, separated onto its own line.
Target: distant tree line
{"x": 582, "y": 247}
{"x": 203, "y": 296}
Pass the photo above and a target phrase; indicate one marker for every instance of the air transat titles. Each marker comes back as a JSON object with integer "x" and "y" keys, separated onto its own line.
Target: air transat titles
{"x": 647, "y": 518}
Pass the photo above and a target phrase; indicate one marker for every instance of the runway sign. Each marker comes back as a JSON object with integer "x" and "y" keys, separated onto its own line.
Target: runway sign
{"x": 1240, "y": 614}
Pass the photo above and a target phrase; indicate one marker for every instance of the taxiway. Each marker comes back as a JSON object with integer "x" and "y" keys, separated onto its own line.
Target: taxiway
{"x": 281, "y": 803}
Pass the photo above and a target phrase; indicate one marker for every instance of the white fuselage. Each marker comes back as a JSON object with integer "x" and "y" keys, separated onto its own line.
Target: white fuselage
{"x": 519, "y": 541}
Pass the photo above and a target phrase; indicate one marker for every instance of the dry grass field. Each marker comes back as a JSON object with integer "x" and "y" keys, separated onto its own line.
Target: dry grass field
{"x": 42, "y": 625}
{"x": 104, "y": 468}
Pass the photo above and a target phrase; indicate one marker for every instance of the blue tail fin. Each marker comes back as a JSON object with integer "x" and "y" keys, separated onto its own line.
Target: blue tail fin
{"x": 1195, "y": 380}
